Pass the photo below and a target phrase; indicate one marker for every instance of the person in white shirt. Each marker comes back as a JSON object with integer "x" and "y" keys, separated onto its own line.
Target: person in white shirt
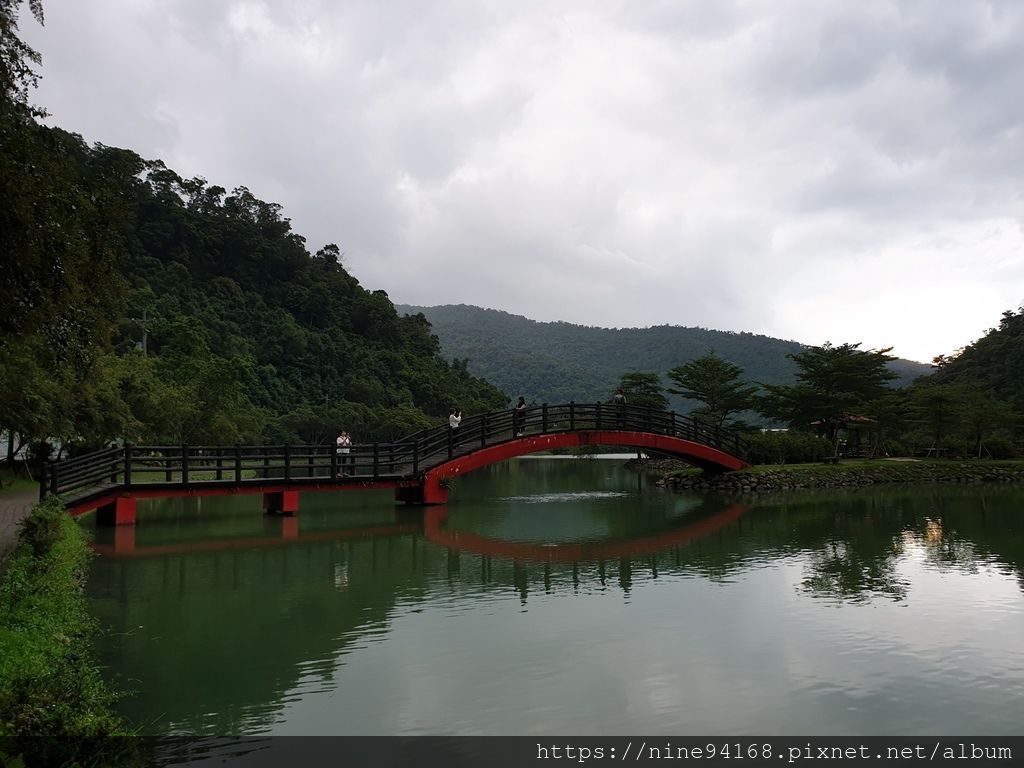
{"x": 454, "y": 420}
{"x": 343, "y": 449}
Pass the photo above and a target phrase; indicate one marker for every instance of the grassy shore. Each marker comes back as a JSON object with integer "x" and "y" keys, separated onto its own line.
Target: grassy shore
{"x": 55, "y": 708}
{"x": 847, "y": 473}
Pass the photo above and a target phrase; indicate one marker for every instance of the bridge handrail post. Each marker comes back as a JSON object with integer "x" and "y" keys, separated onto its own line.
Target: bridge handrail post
{"x": 415, "y": 456}
{"x": 572, "y": 415}
{"x": 483, "y": 430}
{"x": 238, "y": 463}
{"x": 451, "y": 442}
{"x": 127, "y": 466}
{"x": 717, "y": 436}
{"x": 43, "y": 479}
{"x": 544, "y": 418}
{"x": 376, "y": 457}
{"x": 54, "y": 467}
{"x": 220, "y": 463}
{"x": 334, "y": 463}
{"x": 287, "y": 462}
{"x": 598, "y": 412}
{"x": 184, "y": 464}
{"x": 672, "y": 418}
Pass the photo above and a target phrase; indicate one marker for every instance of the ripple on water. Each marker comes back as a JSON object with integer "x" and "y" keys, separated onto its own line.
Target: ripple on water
{"x": 546, "y": 498}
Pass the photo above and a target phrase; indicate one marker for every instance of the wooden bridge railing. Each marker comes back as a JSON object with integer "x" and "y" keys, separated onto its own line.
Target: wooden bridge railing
{"x": 186, "y": 465}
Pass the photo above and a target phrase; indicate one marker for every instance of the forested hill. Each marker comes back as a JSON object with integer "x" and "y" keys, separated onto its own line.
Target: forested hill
{"x": 247, "y": 335}
{"x": 995, "y": 361}
{"x": 558, "y": 362}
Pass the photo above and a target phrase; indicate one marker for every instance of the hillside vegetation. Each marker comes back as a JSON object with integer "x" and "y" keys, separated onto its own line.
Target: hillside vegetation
{"x": 559, "y": 362}
{"x": 152, "y": 308}
{"x": 995, "y": 362}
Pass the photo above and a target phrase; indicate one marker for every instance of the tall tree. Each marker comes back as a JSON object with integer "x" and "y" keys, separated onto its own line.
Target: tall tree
{"x": 832, "y": 382}
{"x": 715, "y": 383}
{"x": 644, "y": 390}
{"x": 17, "y": 59}
{"x": 936, "y": 407}
{"x": 981, "y": 415}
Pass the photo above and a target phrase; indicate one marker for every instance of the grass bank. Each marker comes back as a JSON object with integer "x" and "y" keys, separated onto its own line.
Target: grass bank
{"x": 768, "y": 478}
{"x": 15, "y": 483}
{"x": 55, "y": 708}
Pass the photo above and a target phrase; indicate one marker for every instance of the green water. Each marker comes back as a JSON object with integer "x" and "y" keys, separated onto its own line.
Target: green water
{"x": 570, "y": 597}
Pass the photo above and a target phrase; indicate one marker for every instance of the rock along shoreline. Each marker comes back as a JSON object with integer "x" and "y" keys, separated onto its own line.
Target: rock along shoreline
{"x": 677, "y": 475}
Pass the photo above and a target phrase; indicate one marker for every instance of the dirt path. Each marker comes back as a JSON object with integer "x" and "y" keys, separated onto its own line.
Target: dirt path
{"x": 12, "y": 509}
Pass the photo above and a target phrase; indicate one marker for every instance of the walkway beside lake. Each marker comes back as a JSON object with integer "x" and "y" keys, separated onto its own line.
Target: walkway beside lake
{"x": 13, "y": 509}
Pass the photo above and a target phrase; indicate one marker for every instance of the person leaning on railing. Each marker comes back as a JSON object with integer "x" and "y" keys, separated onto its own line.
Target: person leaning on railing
{"x": 519, "y": 418}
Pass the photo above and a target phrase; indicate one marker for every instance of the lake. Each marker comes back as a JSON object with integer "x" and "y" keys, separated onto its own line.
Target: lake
{"x": 571, "y": 597}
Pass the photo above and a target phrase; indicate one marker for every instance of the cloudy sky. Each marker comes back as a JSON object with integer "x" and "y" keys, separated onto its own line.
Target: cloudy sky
{"x": 811, "y": 169}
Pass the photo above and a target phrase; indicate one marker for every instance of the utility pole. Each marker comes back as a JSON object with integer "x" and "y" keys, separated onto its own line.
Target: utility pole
{"x": 144, "y": 324}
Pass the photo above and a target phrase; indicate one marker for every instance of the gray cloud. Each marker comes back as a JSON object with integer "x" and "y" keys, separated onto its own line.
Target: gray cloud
{"x": 812, "y": 170}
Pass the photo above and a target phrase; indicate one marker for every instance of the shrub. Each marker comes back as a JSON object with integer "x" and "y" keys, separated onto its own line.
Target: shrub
{"x": 42, "y": 528}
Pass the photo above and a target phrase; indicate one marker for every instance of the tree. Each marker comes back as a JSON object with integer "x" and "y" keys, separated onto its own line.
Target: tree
{"x": 17, "y": 59}
{"x": 981, "y": 415}
{"x": 935, "y": 407}
{"x": 832, "y": 382}
{"x": 644, "y": 390}
{"x": 714, "y": 382}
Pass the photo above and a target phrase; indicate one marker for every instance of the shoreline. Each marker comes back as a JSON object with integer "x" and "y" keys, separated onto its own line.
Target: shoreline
{"x": 852, "y": 473}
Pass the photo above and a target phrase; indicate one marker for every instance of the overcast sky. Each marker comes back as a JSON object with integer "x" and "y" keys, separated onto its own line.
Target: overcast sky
{"x": 811, "y": 169}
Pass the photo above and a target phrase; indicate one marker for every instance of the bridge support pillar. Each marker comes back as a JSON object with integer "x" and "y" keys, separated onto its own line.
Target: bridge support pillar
{"x": 121, "y": 511}
{"x": 281, "y": 502}
{"x": 429, "y": 491}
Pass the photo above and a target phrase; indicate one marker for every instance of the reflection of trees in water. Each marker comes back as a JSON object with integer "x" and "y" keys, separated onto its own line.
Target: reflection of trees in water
{"x": 250, "y": 625}
{"x": 854, "y": 553}
{"x": 840, "y": 571}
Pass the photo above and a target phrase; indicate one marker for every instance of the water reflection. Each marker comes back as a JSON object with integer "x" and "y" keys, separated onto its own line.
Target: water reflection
{"x": 607, "y": 609}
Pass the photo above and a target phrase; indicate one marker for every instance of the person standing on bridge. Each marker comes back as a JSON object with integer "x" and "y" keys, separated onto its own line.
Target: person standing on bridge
{"x": 343, "y": 449}
{"x": 454, "y": 421}
{"x": 619, "y": 400}
{"x": 519, "y": 418}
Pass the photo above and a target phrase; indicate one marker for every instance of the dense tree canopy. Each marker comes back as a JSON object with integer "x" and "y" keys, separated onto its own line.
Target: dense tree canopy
{"x": 715, "y": 383}
{"x": 832, "y": 383}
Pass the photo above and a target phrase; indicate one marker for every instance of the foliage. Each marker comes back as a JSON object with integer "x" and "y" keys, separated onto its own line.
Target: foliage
{"x": 715, "y": 383}
{"x": 959, "y": 416}
{"x": 994, "y": 362}
{"x": 559, "y": 362}
{"x": 786, "y": 448}
{"x": 248, "y": 336}
{"x": 17, "y": 59}
{"x": 831, "y": 383}
{"x": 643, "y": 390}
{"x": 54, "y": 706}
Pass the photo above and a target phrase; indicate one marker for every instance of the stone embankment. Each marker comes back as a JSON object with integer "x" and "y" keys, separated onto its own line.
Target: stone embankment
{"x": 853, "y": 474}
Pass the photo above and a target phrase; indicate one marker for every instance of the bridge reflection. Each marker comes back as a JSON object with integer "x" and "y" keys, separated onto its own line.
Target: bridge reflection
{"x": 435, "y": 531}
{"x": 121, "y": 542}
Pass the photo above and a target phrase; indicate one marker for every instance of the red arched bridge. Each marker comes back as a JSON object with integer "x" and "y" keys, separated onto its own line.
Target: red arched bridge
{"x": 419, "y": 467}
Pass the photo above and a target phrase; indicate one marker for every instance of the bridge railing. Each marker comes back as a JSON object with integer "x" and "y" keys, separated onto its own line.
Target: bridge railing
{"x": 132, "y": 466}
{"x": 137, "y": 465}
{"x": 495, "y": 427}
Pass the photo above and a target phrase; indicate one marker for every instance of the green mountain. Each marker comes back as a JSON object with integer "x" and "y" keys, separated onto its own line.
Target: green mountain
{"x": 995, "y": 362}
{"x": 559, "y": 362}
